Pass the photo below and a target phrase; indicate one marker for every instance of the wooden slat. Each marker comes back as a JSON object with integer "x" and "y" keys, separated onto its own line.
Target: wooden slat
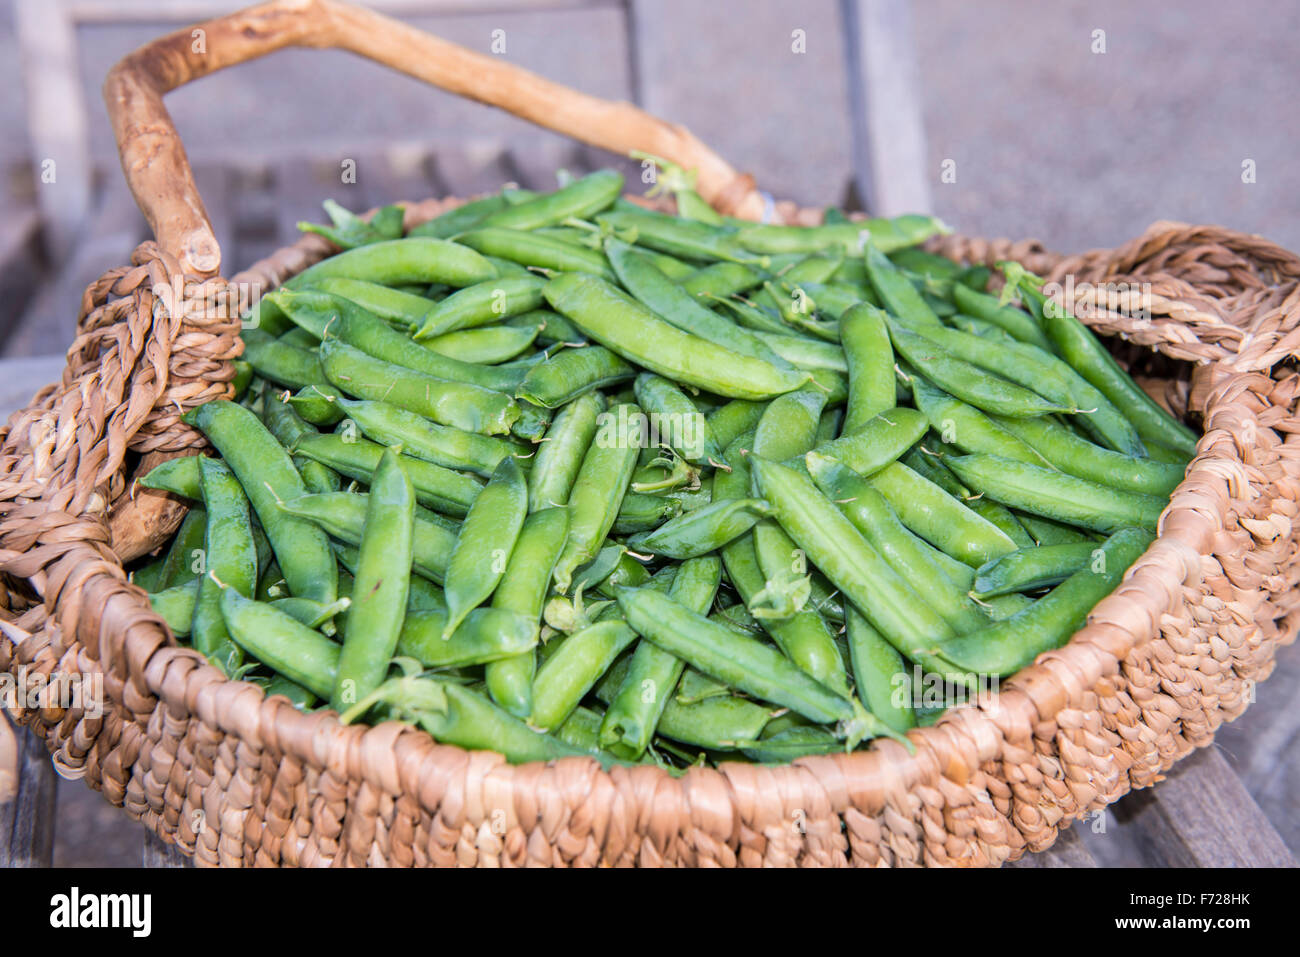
{"x": 1202, "y": 816}
{"x": 27, "y": 822}
{"x": 1068, "y": 851}
{"x": 158, "y": 853}
{"x": 56, "y": 119}
{"x": 889, "y": 154}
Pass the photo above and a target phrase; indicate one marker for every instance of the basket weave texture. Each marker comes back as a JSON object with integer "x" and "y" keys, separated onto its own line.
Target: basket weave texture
{"x": 237, "y": 779}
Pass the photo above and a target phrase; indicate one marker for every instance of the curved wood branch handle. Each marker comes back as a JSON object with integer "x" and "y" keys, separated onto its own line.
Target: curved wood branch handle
{"x": 158, "y": 171}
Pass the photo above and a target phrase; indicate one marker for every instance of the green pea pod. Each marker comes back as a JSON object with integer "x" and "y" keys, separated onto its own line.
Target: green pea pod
{"x": 541, "y": 252}
{"x": 393, "y": 305}
{"x": 731, "y": 421}
{"x": 277, "y": 362}
{"x": 683, "y": 238}
{"x": 653, "y": 673}
{"x": 318, "y": 311}
{"x": 1057, "y": 496}
{"x": 658, "y": 293}
{"x": 579, "y": 200}
{"x": 562, "y": 451}
{"x": 523, "y": 592}
{"x": 880, "y": 674}
{"x": 483, "y": 547}
{"x": 879, "y": 441}
{"x": 869, "y": 357}
{"x": 702, "y": 530}
{"x": 298, "y": 696}
{"x": 752, "y": 317}
{"x": 230, "y": 560}
{"x": 490, "y": 344}
{"x": 640, "y": 512}
{"x": 1082, "y": 350}
{"x": 570, "y": 373}
{"x": 268, "y": 477}
{"x": 1006, "y": 646}
{"x": 400, "y": 262}
{"x": 831, "y": 542}
{"x": 460, "y": 218}
{"x": 176, "y": 605}
{"x": 804, "y": 353}
{"x": 283, "y": 644}
{"x": 896, "y": 292}
{"x": 744, "y": 663}
{"x": 1063, "y": 449}
{"x": 242, "y": 380}
{"x": 721, "y": 279}
{"x": 573, "y": 670}
{"x": 787, "y": 430}
{"x": 385, "y": 554}
{"x": 441, "y": 489}
{"x": 790, "y": 745}
{"x": 1044, "y": 531}
{"x": 599, "y": 488}
{"x": 968, "y": 428}
{"x": 939, "y": 517}
{"x": 1032, "y": 568}
{"x": 482, "y": 304}
{"x": 886, "y": 235}
{"x": 440, "y": 444}
{"x": 867, "y": 509}
{"x": 623, "y": 325}
{"x": 1018, "y": 323}
{"x": 460, "y": 405}
{"x": 676, "y": 420}
{"x": 968, "y": 382}
{"x": 343, "y": 515}
{"x": 312, "y": 613}
{"x": 290, "y": 429}
{"x": 178, "y": 476}
{"x": 485, "y": 635}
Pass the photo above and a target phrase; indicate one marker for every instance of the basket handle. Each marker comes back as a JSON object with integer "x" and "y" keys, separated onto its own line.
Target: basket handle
{"x": 159, "y": 174}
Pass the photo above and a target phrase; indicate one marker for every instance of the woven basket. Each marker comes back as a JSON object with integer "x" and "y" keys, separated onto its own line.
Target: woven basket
{"x": 237, "y": 779}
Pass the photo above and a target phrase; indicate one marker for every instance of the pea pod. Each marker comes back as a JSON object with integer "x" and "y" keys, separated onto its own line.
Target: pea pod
{"x": 879, "y": 441}
{"x": 1006, "y": 646}
{"x": 562, "y": 450}
{"x": 578, "y": 200}
{"x": 179, "y": 476}
{"x": 653, "y": 673}
{"x": 879, "y": 674}
{"x": 277, "y": 362}
{"x": 1056, "y": 495}
{"x": 268, "y": 477}
{"x": 489, "y": 345}
{"x": 486, "y": 539}
{"x": 886, "y": 235}
{"x": 523, "y": 591}
{"x": 442, "y": 489}
{"x": 682, "y": 238}
{"x": 460, "y": 218}
{"x": 1016, "y": 322}
{"x": 625, "y": 326}
{"x": 282, "y": 643}
{"x": 721, "y": 279}
{"x": 399, "y": 262}
{"x": 702, "y": 530}
{"x": 852, "y": 565}
{"x": 343, "y": 515}
{"x": 542, "y": 252}
{"x": 734, "y": 419}
{"x": 393, "y": 305}
{"x": 481, "y": 304}
{"x": 969, "y": 428}
{"x": 379, "y": 594}
{"x": 599, "y": 488}
{"x": 870, "y": 361}
{"x": 440, "y": 444}
{"x": 570, "y": 373}
{"x": 673, "y": 304}
{"x": 230, "y": 559}
{"x": 485, "y": 636}
{"x": 176, "y": 605}
{"x": 460, "y": 405}
{"x": 290, "y": 429}
{"x": 574, "y": 668}
{"x": 744, "y": 663}
{"x": 867, "y": 509}
{"x": 1031, "y": 568}
{"x": 317, "y": 311}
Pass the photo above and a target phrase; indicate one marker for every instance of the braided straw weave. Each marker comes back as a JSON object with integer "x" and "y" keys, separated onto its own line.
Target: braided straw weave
{"x": 238, "y": 779}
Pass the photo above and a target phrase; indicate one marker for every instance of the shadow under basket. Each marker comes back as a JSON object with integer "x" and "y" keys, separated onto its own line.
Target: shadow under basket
{"x": 235, "y": 778}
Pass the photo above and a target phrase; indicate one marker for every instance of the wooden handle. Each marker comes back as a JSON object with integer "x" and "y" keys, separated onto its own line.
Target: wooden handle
{"x": 159, "y": 174}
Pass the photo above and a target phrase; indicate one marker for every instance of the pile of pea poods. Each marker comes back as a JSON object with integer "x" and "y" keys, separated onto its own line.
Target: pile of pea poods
{"x": 554, "y": 474}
